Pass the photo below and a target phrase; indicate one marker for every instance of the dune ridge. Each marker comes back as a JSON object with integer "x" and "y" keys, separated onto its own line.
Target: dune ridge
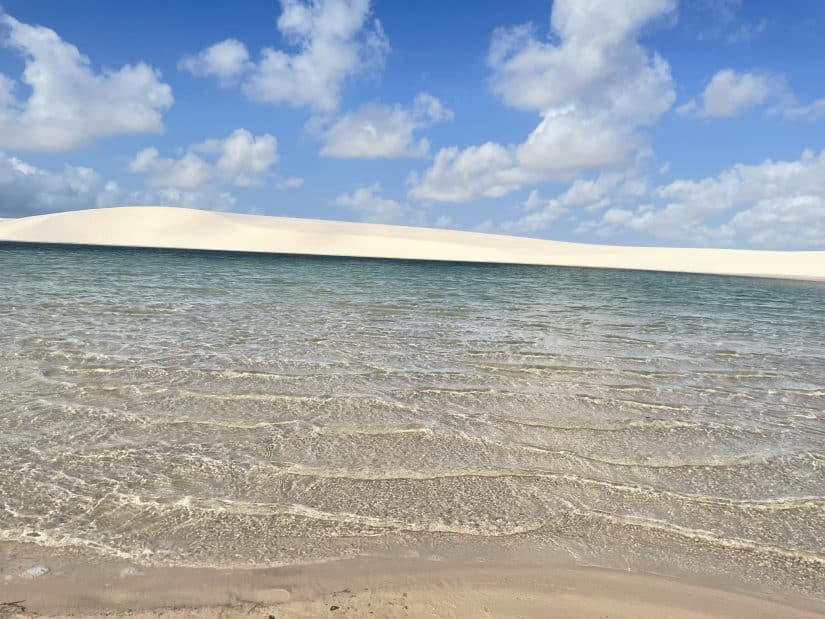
{"x": 183, "y": 228}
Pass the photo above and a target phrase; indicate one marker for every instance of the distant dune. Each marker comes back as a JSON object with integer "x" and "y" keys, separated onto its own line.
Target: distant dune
{"x": 179, "y": 228}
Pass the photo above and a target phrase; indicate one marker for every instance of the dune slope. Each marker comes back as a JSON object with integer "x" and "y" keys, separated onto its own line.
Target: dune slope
{"x": 180, "y": 228}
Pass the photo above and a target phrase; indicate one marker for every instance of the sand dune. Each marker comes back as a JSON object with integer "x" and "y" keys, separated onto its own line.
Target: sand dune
{"x": 156, "y": 226}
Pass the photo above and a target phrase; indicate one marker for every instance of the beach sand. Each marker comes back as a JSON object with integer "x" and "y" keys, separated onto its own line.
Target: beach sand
{"x": 179, "y": 228}
{"x": 379, "y": 588}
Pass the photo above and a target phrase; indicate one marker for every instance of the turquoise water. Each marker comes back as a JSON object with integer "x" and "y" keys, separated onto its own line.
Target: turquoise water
{"x": 207, "y": 409}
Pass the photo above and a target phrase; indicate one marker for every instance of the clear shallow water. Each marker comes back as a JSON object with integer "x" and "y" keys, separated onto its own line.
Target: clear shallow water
{"x": 183, "y": 408}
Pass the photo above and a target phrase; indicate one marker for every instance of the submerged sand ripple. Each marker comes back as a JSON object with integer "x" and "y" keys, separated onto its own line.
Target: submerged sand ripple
{"x": 174, "y": 409}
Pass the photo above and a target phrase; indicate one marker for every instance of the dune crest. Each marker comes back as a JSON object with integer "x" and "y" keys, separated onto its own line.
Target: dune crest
{"x": 183, "y": 228}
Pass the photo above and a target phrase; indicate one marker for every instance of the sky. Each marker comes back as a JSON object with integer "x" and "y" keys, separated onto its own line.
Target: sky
{"x": 646, "y": 122}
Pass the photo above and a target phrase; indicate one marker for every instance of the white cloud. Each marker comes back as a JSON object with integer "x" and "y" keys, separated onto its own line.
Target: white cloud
{"x": 333, "y": 40}
{"x": 490, "y": 171}
{"x": 241, "y": 159}
{"x": 242, "y": 156}
{"x": 226, "y": 61}
{"x": 208, "y": 199}
{"x": 378, "y": 131}
{"x": 812, "y": 111}
{"x": 26, "y": 190}
{"x": 70, "y": 104}
{"x": 771, "y": 204}
{"x": 597, "y": 63}
{"x": 588, "y": 195}
{"x": 595, "y": 88}
{"x": 187, "y": 172}
{"x": 372, "y": 207}
{"x": 542, "y": 214}
{"x": 730, "y": 93}
{"x": 567, "y": 142}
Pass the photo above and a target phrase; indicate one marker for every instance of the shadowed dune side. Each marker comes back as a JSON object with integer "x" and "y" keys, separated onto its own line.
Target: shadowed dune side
{"x": 180, "y": 228}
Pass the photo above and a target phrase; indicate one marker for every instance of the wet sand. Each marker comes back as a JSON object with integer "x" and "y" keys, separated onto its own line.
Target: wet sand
{"x": 372, "y": 587}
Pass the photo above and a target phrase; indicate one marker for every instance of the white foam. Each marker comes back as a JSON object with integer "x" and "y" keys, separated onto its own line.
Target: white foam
{"x": 34, "y": 572}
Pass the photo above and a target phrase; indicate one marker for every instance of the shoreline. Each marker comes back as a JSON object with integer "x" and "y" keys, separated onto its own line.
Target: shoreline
{"x": 236, "y": 252}
{"x": 383, "y": 587}
{"x": 154, "y": 227}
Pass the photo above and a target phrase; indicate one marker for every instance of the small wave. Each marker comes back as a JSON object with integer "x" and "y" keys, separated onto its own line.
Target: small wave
{"x": 619, "y": 425}
{"x": 632, "y": 403}
{"x": 59, "y": 539}
{"x": 708, "y": 537}
{"x": 656, "y": 463}
{"x": 736, "y": 374}
{"x": 468, "y": 391}
{"x": 263, "y": 397}
{"x": 374, "y": 430}
{"x": 762, "y": 505}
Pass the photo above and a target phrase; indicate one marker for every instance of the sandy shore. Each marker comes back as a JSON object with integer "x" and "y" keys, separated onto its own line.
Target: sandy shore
{"x": 379, "y": 588}
{"x": 179, "y": 228}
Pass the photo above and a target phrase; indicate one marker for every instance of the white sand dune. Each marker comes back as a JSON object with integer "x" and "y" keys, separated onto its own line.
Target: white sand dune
{"x": 180, "y": 228}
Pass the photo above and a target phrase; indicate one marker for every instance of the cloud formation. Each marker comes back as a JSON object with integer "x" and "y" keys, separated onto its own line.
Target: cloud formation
{"x": 777, "y": 204}
{"x": 729, "y": 93}
{"x": 773, "y": 204}
{"x": 376, "y": 131}
{"x": 371, "y": 206}
{"x": 70, "y": 104}
{"x": 595, "y": 87}
{"x": 333, "y": 40}
{"x": 26, "y": 189}
{"x": 241, "y": 159}
{"x": 226, "y": 61}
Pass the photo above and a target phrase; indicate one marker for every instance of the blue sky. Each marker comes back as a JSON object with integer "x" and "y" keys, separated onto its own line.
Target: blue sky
{"x": 655, "y": 122}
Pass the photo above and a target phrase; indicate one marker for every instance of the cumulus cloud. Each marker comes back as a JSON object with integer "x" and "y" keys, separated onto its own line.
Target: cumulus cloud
{"x": 773, "y": 204}
{"x": 371, "y": 206}
{"x": 332, "y": 41}
{"x": 778, "y": 204}
{"x": 812, "y": 111}
{"x": 187, "y": 172}
{"x": 567, "y": 142}
{"x": 588, "y": 195}
{"x": 541, "y": 214}
{"x": 379, "y": 131}
{"x": 594, "y": 86}
{"x": 26, "y": 189}
{"x": 208, "y": 198}
{"x": 729, "y": 93}
{"x": 69, "y": 104}
{"x": 240, "y": 159}
{"x": 226, "y": 61}
{"x": 489, "y": 170}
